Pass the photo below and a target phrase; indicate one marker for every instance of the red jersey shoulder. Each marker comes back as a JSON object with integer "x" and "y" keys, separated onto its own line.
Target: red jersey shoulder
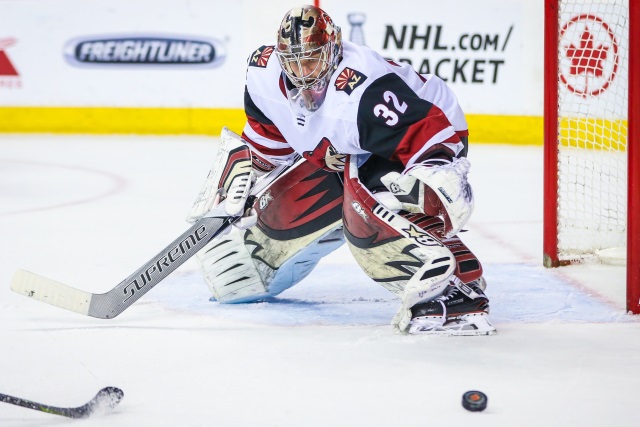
{"x": 260, "y": 57}
{"x": 349, "y": 79}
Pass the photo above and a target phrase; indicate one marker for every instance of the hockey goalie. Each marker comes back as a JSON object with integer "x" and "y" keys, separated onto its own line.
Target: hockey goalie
{"x": 346, "y": 146}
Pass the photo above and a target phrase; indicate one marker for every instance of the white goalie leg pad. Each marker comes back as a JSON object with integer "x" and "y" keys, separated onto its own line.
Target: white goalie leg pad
{"x": 431, "y": 279}
{"x": 428, "y": 281}
{"x": 230, "y": 179}
{"x": 229, "y": 271}
{"x": 394, "y": 251}
{"x": 435, "y": 189}
{"x": 301, "y": 262}
{"x": 235, "y": 276}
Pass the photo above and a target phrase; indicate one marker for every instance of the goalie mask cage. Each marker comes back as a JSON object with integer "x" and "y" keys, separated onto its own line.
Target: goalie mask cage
{"x": 592, "y": 136}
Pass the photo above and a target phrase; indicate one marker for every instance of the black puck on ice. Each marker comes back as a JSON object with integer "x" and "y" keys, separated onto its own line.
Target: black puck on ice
{"x": 474, "y": 401}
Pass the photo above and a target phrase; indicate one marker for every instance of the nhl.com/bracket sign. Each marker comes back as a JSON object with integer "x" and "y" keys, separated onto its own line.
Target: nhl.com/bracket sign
{"x": 589, "y": 55}
{"x": 144, "y": 50}
{"x": 457, "y": 57}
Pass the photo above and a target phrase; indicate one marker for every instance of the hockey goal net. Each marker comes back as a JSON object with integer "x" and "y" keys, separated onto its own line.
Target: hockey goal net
{"x": 592, "y": 149}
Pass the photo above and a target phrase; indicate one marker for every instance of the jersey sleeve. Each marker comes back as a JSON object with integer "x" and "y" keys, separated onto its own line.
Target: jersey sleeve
{"x": 268, "y": 146}
{"x": 397, "y": 124}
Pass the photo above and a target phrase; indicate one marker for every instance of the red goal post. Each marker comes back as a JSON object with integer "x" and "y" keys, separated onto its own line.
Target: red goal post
{"x": 592, "y": 135}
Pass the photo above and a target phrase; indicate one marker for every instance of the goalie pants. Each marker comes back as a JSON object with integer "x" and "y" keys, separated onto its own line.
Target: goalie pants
{"x": 309, "y": 212}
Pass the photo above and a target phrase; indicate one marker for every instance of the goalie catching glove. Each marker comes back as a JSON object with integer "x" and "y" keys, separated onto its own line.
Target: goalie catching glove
{"x": 230, "y": 179}
{"x": 435, "y": 188}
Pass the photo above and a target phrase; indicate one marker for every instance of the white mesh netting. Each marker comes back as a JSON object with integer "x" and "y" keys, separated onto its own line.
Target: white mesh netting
{"x": 592, "y": 117}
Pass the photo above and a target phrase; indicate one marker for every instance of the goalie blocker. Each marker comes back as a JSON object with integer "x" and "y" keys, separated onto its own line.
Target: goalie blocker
{"x": 300, "y": 220}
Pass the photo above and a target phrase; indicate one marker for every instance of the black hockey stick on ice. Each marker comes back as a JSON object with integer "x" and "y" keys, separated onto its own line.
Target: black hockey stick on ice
{"x": 111, "y": 303}
{"x": 105, "y": 400}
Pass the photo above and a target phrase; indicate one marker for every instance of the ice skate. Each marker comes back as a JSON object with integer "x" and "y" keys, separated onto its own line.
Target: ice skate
{"x": 463, "y": 309}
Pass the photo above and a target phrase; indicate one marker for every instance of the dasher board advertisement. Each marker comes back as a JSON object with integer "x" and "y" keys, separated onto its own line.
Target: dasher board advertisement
{"x": 489, "y": 52}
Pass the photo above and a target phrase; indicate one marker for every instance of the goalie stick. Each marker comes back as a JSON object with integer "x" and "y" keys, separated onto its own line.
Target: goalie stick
{"x": 111, "y": 303}
{"x": 106, "y": 399}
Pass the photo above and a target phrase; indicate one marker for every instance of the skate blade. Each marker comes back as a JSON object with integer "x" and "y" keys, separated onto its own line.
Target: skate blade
{"x": 466, "y": 325}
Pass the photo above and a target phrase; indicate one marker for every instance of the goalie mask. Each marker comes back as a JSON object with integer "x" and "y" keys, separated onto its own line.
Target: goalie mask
{"x": 309, "y": 49}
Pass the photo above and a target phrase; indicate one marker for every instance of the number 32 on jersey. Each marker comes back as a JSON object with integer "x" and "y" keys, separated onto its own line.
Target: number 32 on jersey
{"x": 390, "y": 109}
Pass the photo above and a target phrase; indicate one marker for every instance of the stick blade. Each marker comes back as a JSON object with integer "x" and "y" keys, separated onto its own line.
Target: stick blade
{"x": 106, "y": 399}
{"x": 51, "y": 292}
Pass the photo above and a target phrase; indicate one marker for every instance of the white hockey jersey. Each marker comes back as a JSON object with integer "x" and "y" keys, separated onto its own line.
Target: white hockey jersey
{"x": 372, "y": 106}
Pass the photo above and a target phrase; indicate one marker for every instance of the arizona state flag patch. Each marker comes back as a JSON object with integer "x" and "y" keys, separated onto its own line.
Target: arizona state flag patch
{"x": 260, "y": 57}
{"x": 349, "y": 79}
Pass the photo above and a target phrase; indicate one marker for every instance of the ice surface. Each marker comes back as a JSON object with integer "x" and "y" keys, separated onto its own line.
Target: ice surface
{"x": 87, "y": 211}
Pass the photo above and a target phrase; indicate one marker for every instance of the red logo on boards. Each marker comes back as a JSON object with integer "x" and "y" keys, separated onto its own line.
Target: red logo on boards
{"x": 590, "y": 61}
{"x": 9, "y": 77}
{"x": 6, "y": 66}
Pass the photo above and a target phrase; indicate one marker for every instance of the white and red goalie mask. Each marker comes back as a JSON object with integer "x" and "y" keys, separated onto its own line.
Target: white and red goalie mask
{"x": 309, "y": 48}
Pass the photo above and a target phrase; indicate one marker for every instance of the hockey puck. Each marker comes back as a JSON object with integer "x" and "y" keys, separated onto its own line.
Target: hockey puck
{"x": 474, "y": 401}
